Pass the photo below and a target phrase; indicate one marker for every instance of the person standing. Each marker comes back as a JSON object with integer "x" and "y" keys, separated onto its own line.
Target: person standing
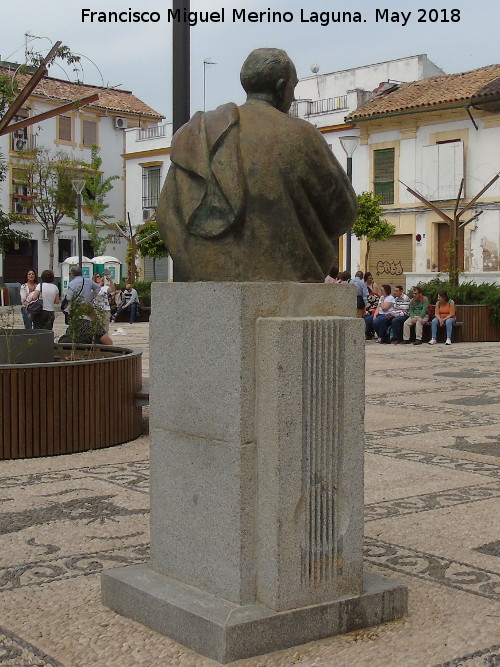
{"x": 362, "y": 295}
{"x": 101, "y": 301}
{"x": 130, "y": 302}
{"x": 50, "y": 296}
{"x": 27, "y": 288}
{"x": 83, "y": 289}
{"x": 370, "y": 283}
{"x": 418, "y": 315}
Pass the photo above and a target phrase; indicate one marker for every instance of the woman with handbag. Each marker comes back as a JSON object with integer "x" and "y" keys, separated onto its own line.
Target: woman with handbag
{"x": 49, "y": 294}
{"x": 27, "y": 288}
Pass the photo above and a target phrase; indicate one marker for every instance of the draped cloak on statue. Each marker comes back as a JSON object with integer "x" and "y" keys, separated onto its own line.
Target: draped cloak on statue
{"x": 253, "y": 194}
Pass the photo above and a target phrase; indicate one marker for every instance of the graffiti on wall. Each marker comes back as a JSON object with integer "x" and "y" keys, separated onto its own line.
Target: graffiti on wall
{"x": 390, "y": 268}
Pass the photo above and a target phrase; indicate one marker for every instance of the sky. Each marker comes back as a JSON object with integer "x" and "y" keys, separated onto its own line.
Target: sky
{"x": 137, "y": 56}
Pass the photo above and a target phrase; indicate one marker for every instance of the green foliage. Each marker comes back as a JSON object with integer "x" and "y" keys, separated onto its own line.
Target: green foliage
{"x": 9, "y": 235}
{"x": 9, "y": 88}
{"x": 150, "y": 242}
{"x": 93, "y": 317}
{"x": 369, "y": 224}
{"x": 451, "y": 249}
{"x": 63, "y": 53}
{"x": 468, "y": 293}
{"x": 93, "y": 197}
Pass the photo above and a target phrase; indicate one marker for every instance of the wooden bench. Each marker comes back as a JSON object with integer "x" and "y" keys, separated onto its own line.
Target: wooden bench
{"x": 441, "y": 333}
{"x": 142, "y": 317}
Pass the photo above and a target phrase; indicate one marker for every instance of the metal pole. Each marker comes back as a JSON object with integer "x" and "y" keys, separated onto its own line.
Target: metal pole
{"x": 181, "y": 66}
{"x": 80, "y": 254}
{"x": 349, "y": 232}
{"x": 204, "y": 85}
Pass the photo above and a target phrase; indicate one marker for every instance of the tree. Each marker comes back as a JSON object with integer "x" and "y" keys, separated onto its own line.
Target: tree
{"x": 9, "y": 91}
{"x": 151, "y": 244}
{"x": 93, "y": 196}
{"x": 369, "y": 224}
{"x": 48, "y": 179}
{"x": 9, "y": 235}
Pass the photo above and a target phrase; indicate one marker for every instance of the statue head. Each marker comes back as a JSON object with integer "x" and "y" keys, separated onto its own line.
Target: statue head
{"x": 269, "y": 75}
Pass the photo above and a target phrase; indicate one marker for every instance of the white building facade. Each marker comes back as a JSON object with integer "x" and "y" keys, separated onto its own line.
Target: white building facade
{"x": 102, "y": 123}
{"x": 428, "y": 136}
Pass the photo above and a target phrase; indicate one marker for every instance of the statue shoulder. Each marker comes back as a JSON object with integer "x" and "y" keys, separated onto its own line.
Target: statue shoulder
{"x": 211, "y": 125}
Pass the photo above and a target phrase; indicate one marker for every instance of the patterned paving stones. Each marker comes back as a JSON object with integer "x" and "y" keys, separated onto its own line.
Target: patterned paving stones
{"x": 432, "y": 507}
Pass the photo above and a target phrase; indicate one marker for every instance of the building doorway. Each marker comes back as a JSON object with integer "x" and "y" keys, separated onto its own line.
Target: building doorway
{"x": 443, "y": 239}
{"x": 19, "y": 258}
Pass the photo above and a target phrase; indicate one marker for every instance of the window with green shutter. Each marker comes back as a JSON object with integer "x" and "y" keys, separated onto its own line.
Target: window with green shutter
{"x": 383, "y": 174}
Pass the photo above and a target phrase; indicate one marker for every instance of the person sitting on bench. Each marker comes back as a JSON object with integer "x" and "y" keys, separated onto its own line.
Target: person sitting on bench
{"x": 445, "y": 316}
{"x": 130, "y": 302}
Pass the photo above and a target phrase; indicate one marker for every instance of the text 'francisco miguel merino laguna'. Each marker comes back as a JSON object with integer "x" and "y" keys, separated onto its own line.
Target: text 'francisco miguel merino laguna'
{"x": 268, "y": 16}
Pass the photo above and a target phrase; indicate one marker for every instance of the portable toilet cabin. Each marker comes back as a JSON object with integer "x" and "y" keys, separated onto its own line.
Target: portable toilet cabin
{"x": 112, "y": 264}
{"x": 87, "y": 270}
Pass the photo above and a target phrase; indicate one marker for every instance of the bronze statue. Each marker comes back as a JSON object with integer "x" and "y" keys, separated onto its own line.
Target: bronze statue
{"x": 253, "y": 193}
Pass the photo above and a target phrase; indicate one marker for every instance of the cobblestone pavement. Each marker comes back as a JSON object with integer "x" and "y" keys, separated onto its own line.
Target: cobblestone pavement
{"x": 432, "y": 508}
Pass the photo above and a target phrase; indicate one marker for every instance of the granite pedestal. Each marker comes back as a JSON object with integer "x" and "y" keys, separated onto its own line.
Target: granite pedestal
{"x": 256, "y": 417}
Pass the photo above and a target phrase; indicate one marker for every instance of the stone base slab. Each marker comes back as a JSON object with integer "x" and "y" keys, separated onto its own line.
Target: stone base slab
{"x": 225, "y": 631}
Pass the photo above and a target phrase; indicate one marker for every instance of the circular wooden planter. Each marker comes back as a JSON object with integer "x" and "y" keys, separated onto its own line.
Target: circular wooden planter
{"x": 71, "y": 406}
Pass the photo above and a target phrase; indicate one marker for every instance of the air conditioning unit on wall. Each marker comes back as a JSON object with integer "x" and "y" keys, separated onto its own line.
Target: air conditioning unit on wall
{"x": 20, "y": 144}
{"x": 121, "y": 123}
{"x": 148, "y": 214}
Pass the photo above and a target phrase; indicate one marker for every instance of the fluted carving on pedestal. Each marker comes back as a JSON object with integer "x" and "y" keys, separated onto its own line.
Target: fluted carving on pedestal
{"x": 322, "y": 376}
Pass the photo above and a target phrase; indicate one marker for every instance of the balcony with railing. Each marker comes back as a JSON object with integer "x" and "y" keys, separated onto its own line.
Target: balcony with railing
{"x": 330, "y": 104}
{"x": 327, "y": 105}
{"x": 152, "y": 132}
{"x": 22, "y": 204}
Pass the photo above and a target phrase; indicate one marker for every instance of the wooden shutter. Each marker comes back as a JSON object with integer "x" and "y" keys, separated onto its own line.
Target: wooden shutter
{"x": 65, "y": 128}
{"x": 383, "y": 174}
{"x": 89, "y": 132}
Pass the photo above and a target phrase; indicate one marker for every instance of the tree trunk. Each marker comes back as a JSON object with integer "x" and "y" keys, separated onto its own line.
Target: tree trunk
{"x": 50, "y": 237}
{"x": 131, "y": 268}
{"x": 367, "y": 255}
{"x": 154, "y": 269}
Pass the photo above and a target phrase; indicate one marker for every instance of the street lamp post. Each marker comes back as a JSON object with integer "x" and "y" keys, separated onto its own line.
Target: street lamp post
{"x": 205, "y": 63}
{"x": 349, "y": 143}
{"x": 78, "y": 185}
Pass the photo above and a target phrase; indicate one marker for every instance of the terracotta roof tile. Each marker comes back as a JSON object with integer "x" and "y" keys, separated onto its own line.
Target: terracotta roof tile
{"x": 122, "y": 101}
{"x": 436, "y": 91}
